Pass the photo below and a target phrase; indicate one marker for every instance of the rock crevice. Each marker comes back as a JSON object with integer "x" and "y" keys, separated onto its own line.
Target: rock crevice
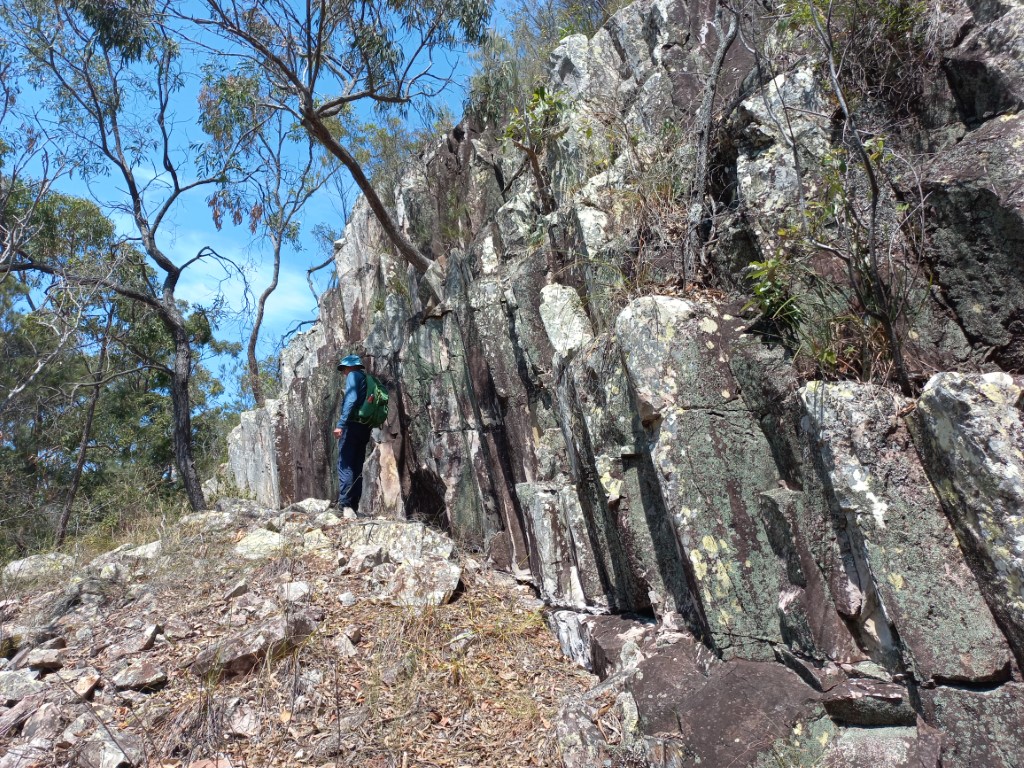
{"x": 830, "y": 546}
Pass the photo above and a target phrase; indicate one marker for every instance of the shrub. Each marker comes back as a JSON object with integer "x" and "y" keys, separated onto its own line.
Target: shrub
{"x": 882, "y": 46}
{"x": 511, "y": 66}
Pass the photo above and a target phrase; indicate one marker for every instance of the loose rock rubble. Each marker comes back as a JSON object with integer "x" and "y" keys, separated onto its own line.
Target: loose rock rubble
{"x": 316, "y": 641}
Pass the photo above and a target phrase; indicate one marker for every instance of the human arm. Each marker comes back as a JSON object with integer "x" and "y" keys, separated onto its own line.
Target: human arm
{"x": 351, "y": 401}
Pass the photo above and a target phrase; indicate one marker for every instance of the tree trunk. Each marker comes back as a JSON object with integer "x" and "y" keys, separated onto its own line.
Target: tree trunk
{"x": 83, "y": 444}
{"x": 76, "y": 477}
{"x": 547, "y": 199}
{"x": 397, "y": 237}
{"x": 254, "y": 366}
{"x": 693, "y": 256}
{"x": 180, "y": 376}
{"x": 883, "y": 310}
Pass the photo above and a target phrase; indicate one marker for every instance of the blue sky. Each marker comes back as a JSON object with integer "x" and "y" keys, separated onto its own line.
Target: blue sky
{"x": 292, "y": 302}
{"x": 189, "y": 228}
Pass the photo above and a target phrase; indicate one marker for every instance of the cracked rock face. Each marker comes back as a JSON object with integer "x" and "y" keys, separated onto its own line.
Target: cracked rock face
{"x": 647, "y": 456}
{"x": 561, "y": 563}
{"x": 785, "y": 116}
{"x": 260, "y": 544}
{"x": 38, "y": 567}
{"x": 986, "y": 69}
{"x": 401, "y": 541}
{"x": 673, "y": 702}
{"x": 267, "y": 640}
{"x": 969, "y": 429}
{"x": 983, "y": 726}
{"x": 977, "y": 226}
{"x": 700, "y": 433}
{"x": 15, "y": 686}
{"x": 419, "y": 583}
{"x": 900, "y": 549}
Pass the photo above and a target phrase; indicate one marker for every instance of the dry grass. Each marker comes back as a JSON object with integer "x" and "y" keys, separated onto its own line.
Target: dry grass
{"x": 474, "y": 683}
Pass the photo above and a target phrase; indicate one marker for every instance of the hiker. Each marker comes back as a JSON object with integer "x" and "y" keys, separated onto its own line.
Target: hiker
{"x": 352, "y": 435}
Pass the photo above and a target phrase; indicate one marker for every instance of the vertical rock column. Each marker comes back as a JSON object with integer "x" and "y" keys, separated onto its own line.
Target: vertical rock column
{"x": 971, "y": 434}
{"x": 252, "y": 455}
{"x": 908, "y": 587}
{"x": 443, "y": 432}
{"x": 578, "y": 554}
{"x": 711, "y": 463}
{"x": 796, "y": 514}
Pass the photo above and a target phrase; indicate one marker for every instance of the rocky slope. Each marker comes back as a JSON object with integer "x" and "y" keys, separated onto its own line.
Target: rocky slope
{"x": 815, "y": 573}
{"x": 250, "y": 636}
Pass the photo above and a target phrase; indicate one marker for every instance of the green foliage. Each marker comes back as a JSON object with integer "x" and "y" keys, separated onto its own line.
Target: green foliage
{"x": 382, "y": 45}
{"x": 270, "y": 169}
{"x": 498, "y": 86}
{"x": 130, "y": 450}
{"x": 511, "y": 66}
{"x": 893, "y": 19}
{"x": 846, "y": 261}
{"x": 81, "y": 88}
{"x": 270, "y": 381}
{"x": 647, "y": 209}
{"x": 121, "y": 26}
{"x": 197, "y": 324}
{"x": 537, "y": 27}
{"x": 881, "y": 46}
{"x": 319, "y": 62}
{"x": 64, "y": 345}
{"x": 770, "y": 282}
{"x": 230, "y": 110}
{"x": 213, "y": 422}
{"x": 386, "y": 147}
{"x": 532, "y": 130}
{"x": 71, "y": 226}
{"x": 538, "y": 122}
{"x": 583, "y": 18}
{"x": 821, "y": 289}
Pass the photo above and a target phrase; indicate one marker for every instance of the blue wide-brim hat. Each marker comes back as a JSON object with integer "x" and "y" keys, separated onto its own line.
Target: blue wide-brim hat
{"x": 352, "y": 361}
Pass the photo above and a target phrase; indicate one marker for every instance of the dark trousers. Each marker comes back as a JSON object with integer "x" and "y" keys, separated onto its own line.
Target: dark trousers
{"x": 351, "y": 455}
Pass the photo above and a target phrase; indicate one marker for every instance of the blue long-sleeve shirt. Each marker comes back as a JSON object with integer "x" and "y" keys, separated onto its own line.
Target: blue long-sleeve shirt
{"x": 355, "y": 394}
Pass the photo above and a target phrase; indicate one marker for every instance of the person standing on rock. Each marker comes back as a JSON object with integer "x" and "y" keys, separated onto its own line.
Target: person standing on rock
{"x": 352, "y": 436}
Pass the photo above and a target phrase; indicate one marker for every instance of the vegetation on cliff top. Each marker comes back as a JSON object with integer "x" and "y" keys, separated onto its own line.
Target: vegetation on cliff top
{"x": 108, "y": 360}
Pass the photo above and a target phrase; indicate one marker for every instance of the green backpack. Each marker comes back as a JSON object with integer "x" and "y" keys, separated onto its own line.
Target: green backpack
{"x": 374, "y": 410}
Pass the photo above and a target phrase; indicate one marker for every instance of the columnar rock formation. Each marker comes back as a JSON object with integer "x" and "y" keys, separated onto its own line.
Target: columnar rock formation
{"x": 801, "y": 558}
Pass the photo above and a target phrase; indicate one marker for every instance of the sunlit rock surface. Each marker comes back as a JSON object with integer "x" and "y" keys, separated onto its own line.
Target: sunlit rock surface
{"x": 762, "y": 567}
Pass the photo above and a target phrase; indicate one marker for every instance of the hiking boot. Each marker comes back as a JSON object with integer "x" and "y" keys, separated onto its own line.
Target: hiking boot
{"x": 348, "y": 513}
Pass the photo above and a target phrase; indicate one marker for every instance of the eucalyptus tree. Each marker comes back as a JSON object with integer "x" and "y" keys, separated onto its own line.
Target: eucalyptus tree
{"x": 36, "y": 359}
{"x": 111, "y": 92}
{"x": 29, "y": 164}
{"x": 44, "y": 222}
{"x": 89, "y": 433}
{"x": 287, "y": 169}
{"x": 59, "y": 351}
{"x": 326, "y": 60}
{"x": 119, "y": 415}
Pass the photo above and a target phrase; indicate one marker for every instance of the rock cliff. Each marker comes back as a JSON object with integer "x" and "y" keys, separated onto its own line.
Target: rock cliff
{"x": 763, "y": 566}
